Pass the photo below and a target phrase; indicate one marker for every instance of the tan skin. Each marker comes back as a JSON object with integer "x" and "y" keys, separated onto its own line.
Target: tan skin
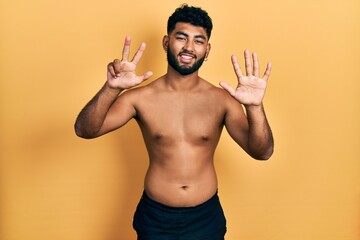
{"x": 181, "y": 117}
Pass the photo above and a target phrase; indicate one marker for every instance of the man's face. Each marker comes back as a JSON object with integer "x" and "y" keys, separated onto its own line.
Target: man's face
{"x": 187, "y": 47}
{"x": 184, "y": 69}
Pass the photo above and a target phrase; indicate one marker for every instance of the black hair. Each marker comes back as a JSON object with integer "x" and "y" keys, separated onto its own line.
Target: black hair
{"x": 193, "y": 15}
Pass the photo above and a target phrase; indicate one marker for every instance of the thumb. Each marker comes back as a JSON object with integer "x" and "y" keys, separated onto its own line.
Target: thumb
{"x": 227, "y": 87}
{"x": 147, "y": 75}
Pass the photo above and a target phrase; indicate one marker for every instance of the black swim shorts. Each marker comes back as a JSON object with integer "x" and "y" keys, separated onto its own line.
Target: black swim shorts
{"x": 156, "y": 221}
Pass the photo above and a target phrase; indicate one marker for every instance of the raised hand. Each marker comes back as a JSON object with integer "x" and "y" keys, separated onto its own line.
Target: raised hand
{"x": 251, "y": 88}
{"x": 121, "y": 73}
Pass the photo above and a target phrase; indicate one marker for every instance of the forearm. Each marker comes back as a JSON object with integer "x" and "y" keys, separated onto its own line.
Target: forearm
{"x": 92, "y": 116}
{"x": 260, "y": 138}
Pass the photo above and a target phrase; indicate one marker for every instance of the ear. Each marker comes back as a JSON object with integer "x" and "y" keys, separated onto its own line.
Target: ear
{"x": 165, "y": 42}
{"x": 208, "y": 48}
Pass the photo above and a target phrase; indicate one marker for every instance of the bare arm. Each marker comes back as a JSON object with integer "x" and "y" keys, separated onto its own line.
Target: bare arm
{"x": 97, "y": 117}
{"x": 260, "y": 142}
{"x": 92, "y": 116}
{"x": 254, "y": 135}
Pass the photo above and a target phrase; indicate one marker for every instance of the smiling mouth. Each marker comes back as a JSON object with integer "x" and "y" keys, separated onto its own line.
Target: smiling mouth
{"x": 186, "y": 58}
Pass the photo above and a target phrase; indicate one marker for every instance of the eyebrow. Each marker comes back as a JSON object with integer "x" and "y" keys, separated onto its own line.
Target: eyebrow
{"x": 187, "y": 35}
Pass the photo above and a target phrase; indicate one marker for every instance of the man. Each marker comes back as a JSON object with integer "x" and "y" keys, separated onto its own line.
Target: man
{"x": 181, "y": 117}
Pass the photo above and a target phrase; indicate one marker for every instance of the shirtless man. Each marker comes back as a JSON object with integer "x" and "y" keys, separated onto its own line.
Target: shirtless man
{"x": 181, "y": 117}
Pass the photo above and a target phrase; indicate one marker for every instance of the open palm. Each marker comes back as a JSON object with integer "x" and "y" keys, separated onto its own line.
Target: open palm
{"x": 251, "y": 88}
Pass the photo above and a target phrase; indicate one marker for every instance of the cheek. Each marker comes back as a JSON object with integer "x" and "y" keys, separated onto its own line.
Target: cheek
{"x": 176, "y": 48}
{"x": 201, "y": 50}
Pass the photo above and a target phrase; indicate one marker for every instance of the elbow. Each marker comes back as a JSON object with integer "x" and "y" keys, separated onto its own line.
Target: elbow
{"x": 84, "y": 135}
{"x": 80, "y": 132}
{"x": 263, "y": 155}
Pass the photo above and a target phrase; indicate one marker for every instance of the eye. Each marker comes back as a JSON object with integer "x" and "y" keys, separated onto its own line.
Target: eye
{"x": 199, "y": 42}
{"x": 180, "y": 38}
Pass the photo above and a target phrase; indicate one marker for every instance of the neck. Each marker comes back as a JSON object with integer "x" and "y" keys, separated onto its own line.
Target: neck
{"x": 176, "y": 81}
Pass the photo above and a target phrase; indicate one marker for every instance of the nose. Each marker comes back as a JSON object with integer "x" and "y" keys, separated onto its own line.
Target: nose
{"x": 189, "y": 46}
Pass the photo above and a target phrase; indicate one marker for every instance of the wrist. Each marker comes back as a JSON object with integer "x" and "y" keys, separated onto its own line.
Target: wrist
{"x": 111, "y": 90}
{"x": 251, "y": 107}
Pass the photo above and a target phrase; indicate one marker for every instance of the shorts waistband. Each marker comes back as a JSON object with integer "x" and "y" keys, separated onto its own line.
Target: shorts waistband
{"x": 213, "y": 201}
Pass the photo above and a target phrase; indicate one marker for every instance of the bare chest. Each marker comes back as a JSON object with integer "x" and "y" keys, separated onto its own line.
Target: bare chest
{"x": 189, "y": 118}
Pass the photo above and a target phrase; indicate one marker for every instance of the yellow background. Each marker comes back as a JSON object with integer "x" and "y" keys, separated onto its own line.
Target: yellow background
{"x": 53, "y": 57}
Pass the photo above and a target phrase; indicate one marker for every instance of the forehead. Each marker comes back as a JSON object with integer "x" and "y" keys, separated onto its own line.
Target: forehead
{"x": 189, "y": 29}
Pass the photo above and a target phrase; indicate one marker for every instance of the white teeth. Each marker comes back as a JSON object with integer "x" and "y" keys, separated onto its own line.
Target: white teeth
{"x": 186, "y": 57}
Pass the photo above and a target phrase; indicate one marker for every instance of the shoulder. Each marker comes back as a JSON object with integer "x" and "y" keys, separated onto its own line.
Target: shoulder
{"x": 231, "y": 108}
{"x": 217, "y": 93}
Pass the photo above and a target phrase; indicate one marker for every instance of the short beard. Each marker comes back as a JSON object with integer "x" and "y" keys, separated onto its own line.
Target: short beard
{"x": 182, "y": 70}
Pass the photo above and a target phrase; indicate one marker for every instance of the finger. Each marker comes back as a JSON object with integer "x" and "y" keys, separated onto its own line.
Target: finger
{"x": 126, "y": 48}
{"x": 147, "y": 75}
{"x": 236, "y": 66}
{"x": 142, "y": 78}
{"x": 139, "y": 53}
{"x": 228, "y": 88}
{"x": 267, "y": 71}
{"x": 255, "y": 65}
{"x": 116, "y": 64}
{"x": 248, "y": 66}
{"x": 111, "y": 70}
